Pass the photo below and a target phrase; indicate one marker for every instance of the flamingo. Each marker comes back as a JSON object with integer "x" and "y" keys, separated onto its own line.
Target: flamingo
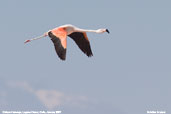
{"x": 59, "y": 38}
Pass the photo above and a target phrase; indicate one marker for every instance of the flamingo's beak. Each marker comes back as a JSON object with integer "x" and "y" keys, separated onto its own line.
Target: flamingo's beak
{"x": 107, "y": 31}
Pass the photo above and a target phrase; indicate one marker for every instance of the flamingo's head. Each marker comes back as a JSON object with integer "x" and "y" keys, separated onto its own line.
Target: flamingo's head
{"x": 107, "y": 31}
{"x": 102, "y": 30}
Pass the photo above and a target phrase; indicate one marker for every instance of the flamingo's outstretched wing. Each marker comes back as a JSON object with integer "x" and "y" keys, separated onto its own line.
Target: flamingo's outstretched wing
{"x": 82, "y": 41}
{"x": 59, "y": 44}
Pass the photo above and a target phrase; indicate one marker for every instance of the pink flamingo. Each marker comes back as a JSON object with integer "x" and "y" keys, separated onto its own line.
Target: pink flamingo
{"x": 59, "y": 38}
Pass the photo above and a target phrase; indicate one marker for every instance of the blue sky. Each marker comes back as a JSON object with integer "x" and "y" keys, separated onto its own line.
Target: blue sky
{"x": 128, "y": 74}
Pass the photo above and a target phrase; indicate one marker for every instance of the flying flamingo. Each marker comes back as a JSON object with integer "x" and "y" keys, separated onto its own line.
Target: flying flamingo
{"x": 59, "y": 38}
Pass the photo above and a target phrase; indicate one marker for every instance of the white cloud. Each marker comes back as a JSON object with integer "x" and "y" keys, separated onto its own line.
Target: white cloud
{"x": 50, "y": 98}
{"x": 21, "y": 84}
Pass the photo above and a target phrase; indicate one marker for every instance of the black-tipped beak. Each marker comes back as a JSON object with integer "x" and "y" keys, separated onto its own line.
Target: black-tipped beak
{"x": 107, "y": 31}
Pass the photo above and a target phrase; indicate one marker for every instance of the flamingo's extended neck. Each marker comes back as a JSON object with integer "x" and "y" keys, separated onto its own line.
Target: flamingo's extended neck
{"x": 84, "y": 30}
{"x": 95, "y": 31}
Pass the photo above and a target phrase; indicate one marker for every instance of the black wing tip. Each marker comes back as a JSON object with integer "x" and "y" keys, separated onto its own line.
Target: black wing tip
{"x": 89, "y": 54}
{"x": 63, "y": 59}
{"x": 62, "y": 54}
